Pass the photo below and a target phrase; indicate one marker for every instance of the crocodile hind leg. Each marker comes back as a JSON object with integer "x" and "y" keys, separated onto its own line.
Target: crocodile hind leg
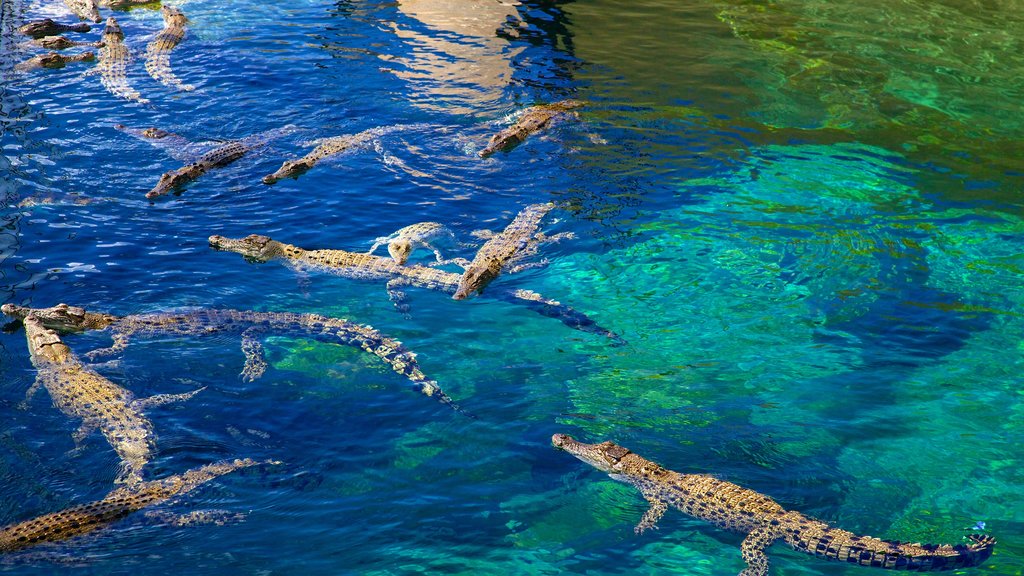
{"x": 753, "y": 549}
{"x": 160, "y": 399}
{"x": 397, "y": 296}
{"x": 197, "y": 517}
{"x": 79, "y": 435}
{"x": 30, "y": 393}
{"x": 119, "y": 344}
{"x": 255, "y": 356}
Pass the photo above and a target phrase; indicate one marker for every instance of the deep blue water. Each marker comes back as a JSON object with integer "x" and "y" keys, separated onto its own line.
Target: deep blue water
{"x": 818, "y": 273}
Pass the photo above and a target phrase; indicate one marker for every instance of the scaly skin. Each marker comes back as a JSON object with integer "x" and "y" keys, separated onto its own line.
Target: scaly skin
{"x": 85, "y": 9}
{"x": 368, "y": 267}
{"x": 404, "y": 241}
{"x": 80, "y": 392}
{"x": 119, "y": 503}
{"x": 220, "y": 156}
{"x": 48, "y": 27}
{"x": 114, "y": 60}
{"x": 330, "y": 147}
{"x": 216, "y": 158}
{"x": 127, "y": 4}
{"x": 739, "y": 509}
{"x": 158, "y": 53}
{"x": 64, "y": 319}
{"x": 497, "y": 252}
{"x": 54, "y": 60}
{"x": 60, "y": 43}
{"x": 534, "y": 119}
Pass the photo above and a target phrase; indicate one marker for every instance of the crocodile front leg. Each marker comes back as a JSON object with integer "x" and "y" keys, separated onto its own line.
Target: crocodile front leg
{"x": 753, "y": 549}
{"x": 255, "y": 357}
{"x": 461, "y": 262}
{"x": 529, "y": 265}
{"x": 654, "y": 513}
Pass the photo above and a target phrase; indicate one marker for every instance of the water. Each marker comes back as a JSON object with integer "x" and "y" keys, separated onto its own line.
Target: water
{"x": 804, "y": 217}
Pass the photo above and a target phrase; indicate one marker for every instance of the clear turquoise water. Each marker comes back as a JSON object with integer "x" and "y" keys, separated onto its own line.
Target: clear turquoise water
{"x": 805, "y": 218}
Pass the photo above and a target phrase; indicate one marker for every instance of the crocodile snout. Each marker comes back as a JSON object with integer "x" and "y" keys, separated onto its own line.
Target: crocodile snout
{"x": 216, "y": 241}
{"x": 560, "y": 440}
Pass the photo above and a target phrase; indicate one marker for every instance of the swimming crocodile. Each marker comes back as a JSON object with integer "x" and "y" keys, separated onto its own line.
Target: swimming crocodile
{"x": 80, "y": 392}
{"x": 404, "y": 241}
{"x": 86, "y": 518}
{"x": 158, "y": 52}
{"x": 533, "y": 119}
{"x": 331, "y": 147}
{"x": 48, "y": 27}
{"x": 519, "y": 239}
{"x": 60, "y": 43}
{"x": 85, "y": 9}
{"x": 251, "y": 325}
{"x": 174, "y": 145}
{"x": 127, "y": 4}
{"x": 257, "y": 248}
{"x": 54, "y": 60}
{"x": 739, "y": 509}
{"x": 114, "y": 60}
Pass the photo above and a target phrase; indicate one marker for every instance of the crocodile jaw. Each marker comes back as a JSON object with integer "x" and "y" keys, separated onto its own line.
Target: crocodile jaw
{"x": 604, "y": 456}
{"x": 288, "y": 169}
{"x": 473, "y": 280}
{"x": 252, "y": 247}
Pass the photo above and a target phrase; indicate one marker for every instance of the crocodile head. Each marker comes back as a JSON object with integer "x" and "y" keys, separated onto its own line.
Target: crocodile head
{"x": 152, "y": 133}
{"x": 173, "y": 16}
{"x": 606, "y": 456}
{"x": 400, "y": 250}
{"x": 62, "y": 318}
{"x": 254, "y": 247}
{"x": 52, "y": 60}
{"x": 289, "y": 169}
{"x": 43, "y": 343}
{"x": 568, "y": 104}
{"x": 173, "y": 179}
{"x": 113, "y": 29}
{"x": 473, "y": 280}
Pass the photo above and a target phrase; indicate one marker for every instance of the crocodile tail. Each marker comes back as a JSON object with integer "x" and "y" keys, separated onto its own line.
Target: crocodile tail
{"x": 553, "y": 309}
{"x": 837, "y": 544}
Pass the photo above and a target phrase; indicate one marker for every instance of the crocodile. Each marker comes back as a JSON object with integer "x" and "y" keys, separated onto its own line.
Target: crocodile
{"x": 48, "y": 27}
{"x": 519, "y": 239}
{"x": 114, "y": 60}
{"x": 60, "y": 43}
{"x": 158, "y": 52}
{"x": 764, "y": 521}
{"x": 174, "y": 145}
{"x": 251, "y": 325}
{"x": 85, "y": 9}
{"x": 327, "y": 147}
{"x": 81, "y": 392}
{"x": 53, "y": 60}
{"x": 257, "y": 248}
{"x": 404, "y": 241}
{"x": 216, "y": 158}
{"x": 127, "y": 4}
{"x": 533, "y": 119}
{"x": 119, "y": 503}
